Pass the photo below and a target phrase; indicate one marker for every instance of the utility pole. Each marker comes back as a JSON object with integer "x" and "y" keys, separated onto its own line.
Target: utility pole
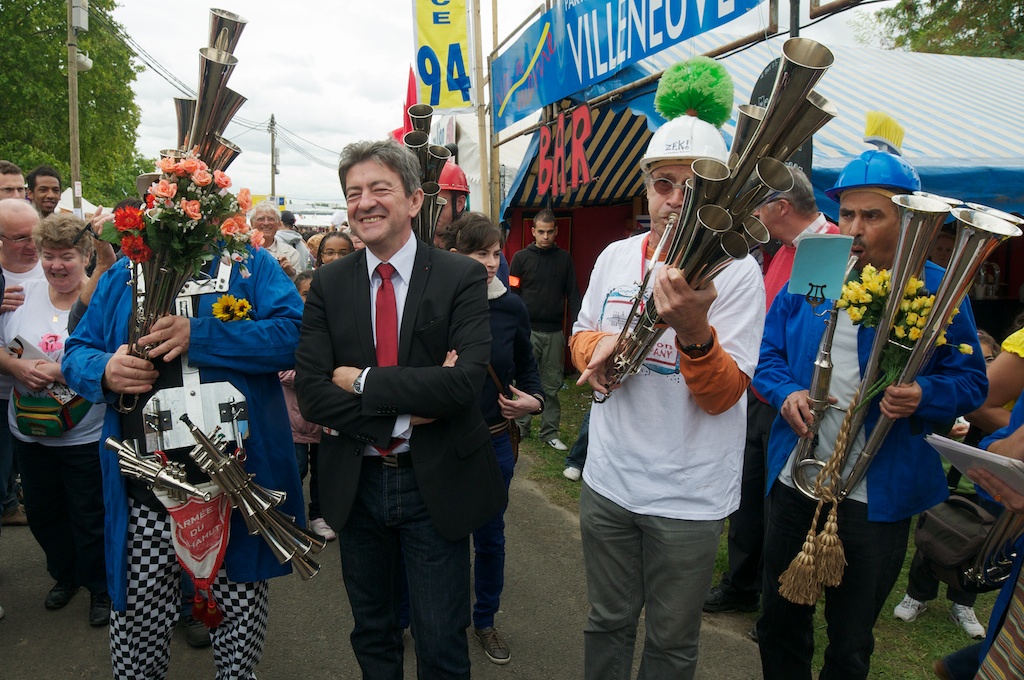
{"x": 78, "y": 18}
{"x": 481, "y": 117}
{"x": 273, "y": 157}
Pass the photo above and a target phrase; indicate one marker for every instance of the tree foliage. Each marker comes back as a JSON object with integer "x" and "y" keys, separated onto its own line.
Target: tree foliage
{"x": 34, "y": 126}
{"x": 977, "y": 28}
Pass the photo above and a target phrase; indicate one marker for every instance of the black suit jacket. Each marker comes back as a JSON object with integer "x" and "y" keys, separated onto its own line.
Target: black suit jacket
{"x": 446, "y": 308}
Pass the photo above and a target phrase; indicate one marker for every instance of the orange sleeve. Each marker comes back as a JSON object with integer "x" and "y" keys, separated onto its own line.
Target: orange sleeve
{"x": 581, "y": 347}
{"x": 714, "y": 380}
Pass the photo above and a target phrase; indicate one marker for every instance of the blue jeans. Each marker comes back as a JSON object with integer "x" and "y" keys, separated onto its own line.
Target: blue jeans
{"x": 64, "y": 504}
{"x": 489, "y": 547}
{"x": 577, "y": 457}
{"x": 874, "y": 556}
{"x": 634, "y": 561}
{"x": 389, "y": 519}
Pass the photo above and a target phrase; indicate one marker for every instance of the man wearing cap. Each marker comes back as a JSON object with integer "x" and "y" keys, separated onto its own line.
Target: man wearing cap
{"x": 293, "y": 238}
{"x": 905, "y": 477}
{"x": 666, "y": 449}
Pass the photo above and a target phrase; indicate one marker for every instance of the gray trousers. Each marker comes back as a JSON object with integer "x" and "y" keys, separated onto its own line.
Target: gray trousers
{"x": 634, "y": 561}
{"x": 549, "y": 351}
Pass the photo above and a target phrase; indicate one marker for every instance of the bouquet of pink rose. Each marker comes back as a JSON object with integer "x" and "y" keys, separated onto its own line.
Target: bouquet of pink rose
{"x": 190, "y": 219}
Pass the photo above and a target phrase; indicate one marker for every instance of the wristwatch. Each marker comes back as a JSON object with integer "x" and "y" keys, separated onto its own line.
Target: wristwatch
{"x": 697, "y": 351}
{"x": 357, "y": 384}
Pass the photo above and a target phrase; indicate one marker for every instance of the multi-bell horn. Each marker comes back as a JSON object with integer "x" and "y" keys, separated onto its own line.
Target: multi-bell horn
{"x": 419, "y": 116}
{"x": 185, "y": 109}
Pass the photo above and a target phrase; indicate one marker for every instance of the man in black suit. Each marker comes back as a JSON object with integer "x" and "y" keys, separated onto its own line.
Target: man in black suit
{"x": 406, "y": 464}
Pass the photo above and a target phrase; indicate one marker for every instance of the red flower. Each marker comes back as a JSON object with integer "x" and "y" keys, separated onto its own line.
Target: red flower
{"x": 135, "y": 248}
{"x": 128, "y": 218}
{"x": 150, "y": 200}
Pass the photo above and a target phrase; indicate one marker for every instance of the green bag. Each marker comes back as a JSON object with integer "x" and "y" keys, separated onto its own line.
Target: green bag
{"x": 47, "y": 417}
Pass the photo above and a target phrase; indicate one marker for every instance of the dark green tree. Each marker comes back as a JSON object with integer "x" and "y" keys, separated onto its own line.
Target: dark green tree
{"x": 34, "y": 109}
{"x": 977, "y": 28}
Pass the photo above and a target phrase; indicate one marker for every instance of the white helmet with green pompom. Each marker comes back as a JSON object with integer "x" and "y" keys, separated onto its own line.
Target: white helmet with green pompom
{"x": 696, "y": 97}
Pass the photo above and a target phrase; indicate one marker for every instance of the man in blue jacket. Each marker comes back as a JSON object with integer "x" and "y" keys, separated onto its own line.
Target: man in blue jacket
{"x": 906, "y": 476}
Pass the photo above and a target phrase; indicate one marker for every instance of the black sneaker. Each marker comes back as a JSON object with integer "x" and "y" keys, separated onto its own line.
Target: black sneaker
{"x": 197, "y": 635}
{"x": 60, "y": 595}
{"x": 99, "y": 609}
{"x": 494, "y": 646}
{"x": 718, "y": 602}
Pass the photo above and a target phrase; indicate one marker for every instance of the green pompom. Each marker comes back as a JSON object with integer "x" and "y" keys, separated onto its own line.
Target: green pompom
{"x": 699, "y": 87}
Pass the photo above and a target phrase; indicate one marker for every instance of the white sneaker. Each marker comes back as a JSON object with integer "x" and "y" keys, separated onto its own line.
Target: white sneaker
{"x": 908, "y": 609}
{"x": 965, "y": 618}
{"x": 571, "y": 473}
{"x": 320, "y": 526}
{"x": 557, "y": 444}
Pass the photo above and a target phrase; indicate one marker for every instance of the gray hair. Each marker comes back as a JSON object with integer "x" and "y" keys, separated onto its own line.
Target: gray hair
{"x": 387, "y": 153}
{"x": 801, "y": 196}
{"x": 267, "y": 206}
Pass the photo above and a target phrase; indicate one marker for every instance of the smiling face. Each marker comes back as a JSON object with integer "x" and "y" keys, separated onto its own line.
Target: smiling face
{"x": 45, "y": 194}
{"x": 379, "y": 210}
{"x": 64, "y": 268}
{"x": 334, "y": 248}
{"x": 267, "y": 221}
{"x": 874, "y": 223}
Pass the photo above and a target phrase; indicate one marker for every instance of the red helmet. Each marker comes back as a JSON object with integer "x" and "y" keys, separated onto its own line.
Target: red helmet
{"x": 453, "y": 178}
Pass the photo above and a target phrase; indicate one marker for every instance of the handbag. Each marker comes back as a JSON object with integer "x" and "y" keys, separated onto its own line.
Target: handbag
{"x": 950, "y": 535}
{"x": 46, "y": 416}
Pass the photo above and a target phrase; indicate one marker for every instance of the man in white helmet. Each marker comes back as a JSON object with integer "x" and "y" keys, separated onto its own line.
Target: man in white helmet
{"x": 666, "y": 450}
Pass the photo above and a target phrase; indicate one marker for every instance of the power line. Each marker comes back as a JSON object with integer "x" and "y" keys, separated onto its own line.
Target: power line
{"x": 330, "y": 151}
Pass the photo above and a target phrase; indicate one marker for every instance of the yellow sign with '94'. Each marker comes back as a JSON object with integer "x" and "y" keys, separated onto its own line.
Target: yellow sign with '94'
{"x": 443, "y": 53}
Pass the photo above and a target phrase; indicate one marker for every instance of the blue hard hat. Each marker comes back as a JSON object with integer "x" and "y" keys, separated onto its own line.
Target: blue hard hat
{"x": 877, "y": 169}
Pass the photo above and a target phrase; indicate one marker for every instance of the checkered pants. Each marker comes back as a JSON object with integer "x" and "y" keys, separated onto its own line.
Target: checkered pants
{"x": 140, "y": 636}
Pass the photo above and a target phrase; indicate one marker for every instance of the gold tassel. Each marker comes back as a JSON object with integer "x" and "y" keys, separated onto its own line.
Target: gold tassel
{"x": 831, "y": 556}
{"x": 799, "y": 583}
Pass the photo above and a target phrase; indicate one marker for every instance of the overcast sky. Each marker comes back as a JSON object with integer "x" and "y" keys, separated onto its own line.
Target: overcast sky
{"x": 331, "y": 72}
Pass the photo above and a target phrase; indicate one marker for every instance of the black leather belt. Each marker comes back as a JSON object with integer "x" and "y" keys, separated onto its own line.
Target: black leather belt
{"x": 394, "y": 460}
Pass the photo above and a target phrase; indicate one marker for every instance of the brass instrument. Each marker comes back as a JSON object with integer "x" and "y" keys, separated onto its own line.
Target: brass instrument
{"x": 978, "y": 234}
{"x": 991, "y": 567}
{"x": 805, "y": 467}
{"x": 432, "y": 158}
{"x": 716, "y": 224}
{"x": 152, "y": 470}
{"x": 258, "y": 505}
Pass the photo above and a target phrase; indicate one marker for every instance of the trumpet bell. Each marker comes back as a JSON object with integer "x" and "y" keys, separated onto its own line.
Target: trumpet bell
{"x": 419, "y": 116}
{"x": 437, "y": 156}
{"x": 222, "y": 154}
{"x": 225, "y": 30}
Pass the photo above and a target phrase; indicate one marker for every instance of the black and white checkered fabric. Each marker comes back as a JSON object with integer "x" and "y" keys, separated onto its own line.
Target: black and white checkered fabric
{"x": 140, "y": 636}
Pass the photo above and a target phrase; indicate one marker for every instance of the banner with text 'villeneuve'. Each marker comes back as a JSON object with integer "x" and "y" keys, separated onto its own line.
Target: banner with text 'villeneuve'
{"x": 443, "y": 53}
{"x": 578, "y": 43}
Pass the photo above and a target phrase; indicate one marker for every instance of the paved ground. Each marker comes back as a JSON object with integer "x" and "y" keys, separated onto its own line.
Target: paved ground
{"x": 543, "y": 611}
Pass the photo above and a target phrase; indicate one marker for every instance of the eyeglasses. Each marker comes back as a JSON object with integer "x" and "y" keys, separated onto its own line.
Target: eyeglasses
{"x": 17, "y": 241}
{"x": 665, "y": 186}
{"x": 378, "y": 192}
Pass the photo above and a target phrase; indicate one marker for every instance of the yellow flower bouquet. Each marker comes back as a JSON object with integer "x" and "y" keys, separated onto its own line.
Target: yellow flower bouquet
{"x": 864, "y": 300}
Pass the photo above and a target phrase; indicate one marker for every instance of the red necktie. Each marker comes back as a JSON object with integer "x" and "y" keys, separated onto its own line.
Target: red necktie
{"x": 387, "y": 318}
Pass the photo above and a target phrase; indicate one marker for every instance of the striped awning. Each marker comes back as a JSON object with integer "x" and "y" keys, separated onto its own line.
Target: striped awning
{"x": 964, "y": 120}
